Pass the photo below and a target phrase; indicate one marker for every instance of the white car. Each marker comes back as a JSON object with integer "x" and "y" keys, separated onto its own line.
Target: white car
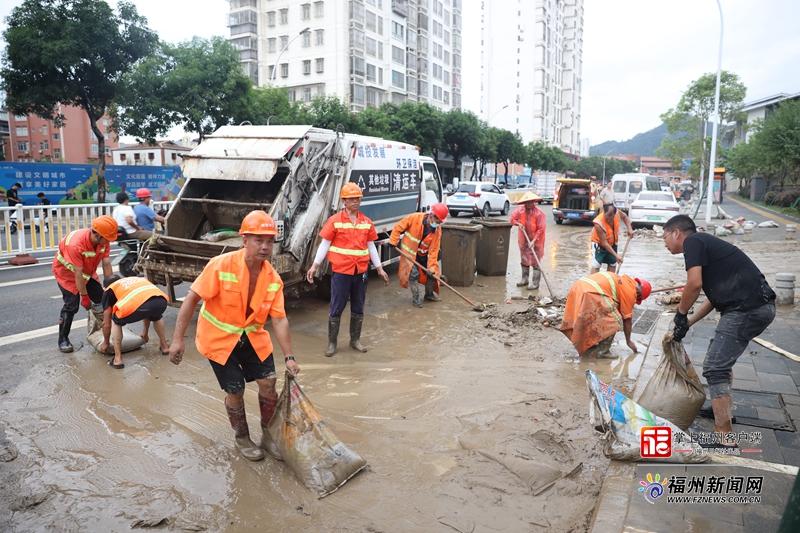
{"x": 653, "y": 207}
{"x": 478, "y": 197}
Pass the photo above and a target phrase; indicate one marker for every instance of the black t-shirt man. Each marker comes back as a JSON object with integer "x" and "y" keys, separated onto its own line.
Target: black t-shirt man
{"x": 731, "y": 281}
{"x": 13, "y": 196}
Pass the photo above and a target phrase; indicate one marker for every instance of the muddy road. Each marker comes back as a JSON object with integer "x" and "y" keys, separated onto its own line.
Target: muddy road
{"x": 468, "y": 422}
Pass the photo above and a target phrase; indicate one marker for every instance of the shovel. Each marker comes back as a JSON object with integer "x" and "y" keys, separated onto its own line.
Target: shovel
{"x": 475, "y": 307}
{"x": 538, "y": 263}
{"x": 625, "y": 251}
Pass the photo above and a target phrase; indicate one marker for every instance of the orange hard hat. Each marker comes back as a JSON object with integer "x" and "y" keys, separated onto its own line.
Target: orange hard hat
{"x": 144, "y": 192}
{"x": 351, "y": 190}
{"x": 646, "y": 289}
{"x": 258, "y": 223}
{"x": 440, "y": 210}
{"x": 106, "y": 227}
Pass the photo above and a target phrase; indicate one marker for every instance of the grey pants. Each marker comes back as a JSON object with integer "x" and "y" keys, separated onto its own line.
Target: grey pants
{"x": 734, "y": 332}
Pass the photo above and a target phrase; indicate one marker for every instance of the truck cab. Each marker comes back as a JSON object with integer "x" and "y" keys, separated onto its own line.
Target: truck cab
{"x": 575, "y": 199}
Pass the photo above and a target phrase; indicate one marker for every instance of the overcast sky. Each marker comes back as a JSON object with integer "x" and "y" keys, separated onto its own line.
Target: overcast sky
{"x": 638, "y": 55}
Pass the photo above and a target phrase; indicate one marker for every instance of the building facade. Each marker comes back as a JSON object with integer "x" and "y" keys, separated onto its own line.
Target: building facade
{"x": 164, "y": 153}
{"x": 366, "y": 52}
{"x": 531, "y": 63}
{"x": 32, "y": 138}
{"x": 757, "y": 110}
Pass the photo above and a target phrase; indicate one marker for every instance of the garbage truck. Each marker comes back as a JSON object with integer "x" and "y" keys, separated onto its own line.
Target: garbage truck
{"x": 295, "y": 174}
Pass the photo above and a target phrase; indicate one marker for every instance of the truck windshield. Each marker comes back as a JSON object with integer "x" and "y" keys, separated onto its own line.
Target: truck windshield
{"x": 619, "y": 186}
{"x": 635, "y": 187}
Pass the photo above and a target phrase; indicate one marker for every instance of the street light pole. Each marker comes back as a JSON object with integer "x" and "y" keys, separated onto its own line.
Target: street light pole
{"x": 715, "y": 126}
{"x": 286, "y": 47}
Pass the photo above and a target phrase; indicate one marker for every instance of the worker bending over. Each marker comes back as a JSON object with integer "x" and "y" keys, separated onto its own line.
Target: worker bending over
{"x": 605, "y": 236}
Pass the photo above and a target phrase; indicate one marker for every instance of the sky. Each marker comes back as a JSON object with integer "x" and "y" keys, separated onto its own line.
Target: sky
{"x": 638, "y": 55}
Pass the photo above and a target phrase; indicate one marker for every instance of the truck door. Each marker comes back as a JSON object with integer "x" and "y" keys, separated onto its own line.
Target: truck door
{"x": 431, "y": 186}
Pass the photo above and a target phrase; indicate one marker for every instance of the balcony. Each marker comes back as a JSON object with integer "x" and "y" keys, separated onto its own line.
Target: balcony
{"x": 240, "y": 29}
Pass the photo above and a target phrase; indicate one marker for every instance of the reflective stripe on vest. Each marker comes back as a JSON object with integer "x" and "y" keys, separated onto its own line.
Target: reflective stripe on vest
{"x": 228, "y": 276}
{"x": 347, "y": 251}
{"x": 350, "y": 225}
{"x": 224, "y": 326}
{"x": 69, "y": 266}
{"x": 273, "y": 287}
{"x": 612, "y": 305}
{"x": 89, "y": 254}
{"x": 128, "y": 297}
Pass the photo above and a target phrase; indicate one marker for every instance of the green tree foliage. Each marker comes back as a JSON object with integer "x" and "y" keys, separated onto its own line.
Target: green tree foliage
{"x": 198, "y": 85}
{"x": 71, "y": 52}
{"x": 541, "y": 156}
{"x": 509, "y": 150}
{"x": 593, "y": 166}
{"x": 331, "y": 113}
{"x": 271, "y": 105}
{"x": 485, "y": 150}
{"x": 460, "y": 136}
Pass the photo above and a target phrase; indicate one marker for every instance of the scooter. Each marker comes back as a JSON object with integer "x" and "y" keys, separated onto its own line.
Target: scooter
{"x": 129, "y": 255}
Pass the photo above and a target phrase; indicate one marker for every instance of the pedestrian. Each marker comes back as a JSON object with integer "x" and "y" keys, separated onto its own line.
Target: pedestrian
{"x": 128, "y": 300}
{"x": 146, "y": 217}
{"x": 421, "y": 240}
{"x": 736, "y": 288}
{"x": 126, "y": 219}
{"x": 240, "y": 291}
{"x": 607, "y": 194}
{"x": 43, "y": 200}
{"x": 12, "y": 195}
{"x": 75, "y": 269}
{"x": 531, "y": 223}
{"x": 605, "y": 236}
{"x": 598, "y": 306}
{"x": 348, "y": 241}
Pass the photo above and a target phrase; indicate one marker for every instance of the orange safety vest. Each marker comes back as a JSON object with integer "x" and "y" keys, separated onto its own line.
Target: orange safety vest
{"x": 225, "y": 314}
{"x": 77, "y": 249}
{"x": 348, "y": 253}
{"x": 131, "y": 293}
{"x": 411, "y": 227}
{"x": 612, "y": 234}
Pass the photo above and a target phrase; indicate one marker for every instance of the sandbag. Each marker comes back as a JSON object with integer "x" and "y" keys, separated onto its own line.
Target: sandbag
{"x": 319, "y": 459}
{"x": 621, "y": 421}
{"x": 130, "y": 340}
{"x": 674, "y": 391}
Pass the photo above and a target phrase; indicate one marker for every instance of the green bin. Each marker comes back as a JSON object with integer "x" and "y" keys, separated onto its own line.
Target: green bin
{"x": 459, "y": 245}
{"x": 492, "y": 255}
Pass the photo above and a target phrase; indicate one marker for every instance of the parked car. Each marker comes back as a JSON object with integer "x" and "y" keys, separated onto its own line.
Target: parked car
{"x": 627, "y": 187}
{"x": 576, "y": 199}
{"x": 478, "y": 197}
{"x": 653, "y": 207}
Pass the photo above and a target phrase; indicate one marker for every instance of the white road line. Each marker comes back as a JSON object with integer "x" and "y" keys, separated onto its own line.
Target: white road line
{"x": 24, "y": 281}
{"x": 36, "y": 333}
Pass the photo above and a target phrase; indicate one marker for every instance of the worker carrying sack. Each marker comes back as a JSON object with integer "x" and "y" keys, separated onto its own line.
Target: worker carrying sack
{"x": 130, "y": 340}
{"x": 674, "y": 392}
{"x": 319, "y": 460}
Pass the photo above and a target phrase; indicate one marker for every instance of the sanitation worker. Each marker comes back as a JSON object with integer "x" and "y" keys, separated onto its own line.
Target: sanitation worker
{"x": 421, "y": 239}
{"x": 530, "y": 221}
{"x": 348, "y": 243}
{"x": 605, "y": 236}
{"x": 127, "y": 301}
{"x": 240, "y": 291}
{"x": 75, "y": 269}
{"x": 736, "y": 288}
{"x": 598, "y": 306}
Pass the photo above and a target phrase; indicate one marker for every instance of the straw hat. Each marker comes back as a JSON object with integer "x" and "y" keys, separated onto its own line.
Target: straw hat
{"x": 528, "y": 197}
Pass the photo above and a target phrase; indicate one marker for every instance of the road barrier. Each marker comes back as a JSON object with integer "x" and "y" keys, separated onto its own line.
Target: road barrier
{"x": 37, "y": 228}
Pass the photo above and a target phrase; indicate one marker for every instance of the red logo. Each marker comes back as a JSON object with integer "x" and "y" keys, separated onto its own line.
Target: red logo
{"x": 655, "y": 442}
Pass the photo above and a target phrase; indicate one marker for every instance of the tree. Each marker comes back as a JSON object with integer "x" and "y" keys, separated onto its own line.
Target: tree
{"x": 271, "y": 105}
{"x": 329, "y": 112}
{"x": 198, "y": 85}
{"x": 71, "y": 52}
{"x": 460, "y": 136}
{"x": 509, "y": 150}
{"x": 415, "y": 123}
{"x": 485, "y": 149}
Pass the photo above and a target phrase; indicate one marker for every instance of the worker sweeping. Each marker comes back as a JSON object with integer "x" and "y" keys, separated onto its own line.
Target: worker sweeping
{"x": 75, "y": 269}
{"x": 598, "y": 306}
{"x": 420, "y": 236}
{"x": 530, "y": 221}
{"x": 605, "y": 236}
{"x": 348, "y": 241}
{"x": 240, "y": 291}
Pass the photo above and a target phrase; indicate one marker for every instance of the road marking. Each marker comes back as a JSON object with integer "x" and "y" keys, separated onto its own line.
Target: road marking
{"x": 25, "y": 281}
{"x": 36, "y": 333}
{"x": 769, "y": 215}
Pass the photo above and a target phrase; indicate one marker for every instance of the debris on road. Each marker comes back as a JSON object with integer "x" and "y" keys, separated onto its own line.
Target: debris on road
{"x": 769, "y": 224}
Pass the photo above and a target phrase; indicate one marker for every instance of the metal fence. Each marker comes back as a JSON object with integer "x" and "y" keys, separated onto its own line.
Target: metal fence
{"x": 38, "y": 228}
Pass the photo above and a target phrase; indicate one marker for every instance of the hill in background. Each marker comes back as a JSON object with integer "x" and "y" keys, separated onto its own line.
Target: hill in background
{"x": 642, "y": 144}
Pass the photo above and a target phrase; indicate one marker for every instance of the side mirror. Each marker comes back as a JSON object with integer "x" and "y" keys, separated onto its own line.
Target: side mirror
{"x": 449, "y": 188}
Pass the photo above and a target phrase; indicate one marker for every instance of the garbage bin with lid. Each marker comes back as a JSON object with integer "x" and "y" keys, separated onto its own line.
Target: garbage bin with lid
{"x": 459, "y": 245}
{"x": 492, "y": 253}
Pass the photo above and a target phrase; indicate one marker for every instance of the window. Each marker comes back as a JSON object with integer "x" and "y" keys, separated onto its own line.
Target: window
{"x": 56, "y": 136}
{"x": 43, "y": 130}
{"x": 380, "y": 25}
{"x": 358, "y": 94}
{"x": 374, "y": 97}
{"x": 447, "y": 77}
{"x": 57, "y": 153}
{"x": 95, "y": 150}
{"x": 372, "y": 73}
{"x": 44, "y": 146}
{"x": 306, "y": 15}
{"x": 357, "y": 66}
{"x": 319, "y": 9}
{"x": 437, "y": 92}
{"x": 306, "y": 67}
{"x": 372, "y": 21}
{"x": 22, "y": 146}
{"x": 284, "y": 41}
{"x": 371, "y": 46}
{"x": 446, "y": 97}
{"x": 380, "y": 50}
{"x": 356, "y": 38}
{"x": 380, "y": 76}
{"x": 22, "y": 131}
{"x": 446, "y": 37}
{"x": 635, "y": 187}
{"x": 306, "y": 94}
{"x": 398, "y": 55}
{"x": 272, "y": 44}
{"x": 284, "y": 70}
{"x": 137, "y": 156}
{"x": 271, "y": 19}
{"x": 446, "y": 57}
{"x": 438, "y": 8}
{"x": 398, "y": 79}
{"x": 20, "y": 118}
{"x": 285, "y": 16}
{"x": 437, "y": 29}
{"x": 398, "y": 32}
{"x": 619, "y": 186}
{"x": 122, "y": 157}
{"x": 270, "y": 71}
{"x": 320, "y": 37}
{"x": 306, "y": 39}
{"x": 151, "y": 156}
{"x": 320, "y": 65}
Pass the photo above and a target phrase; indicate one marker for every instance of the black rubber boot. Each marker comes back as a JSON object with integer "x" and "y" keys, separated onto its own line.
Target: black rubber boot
{"x": 64, "y": 327}
{"x": 356, "y": 321}
{"x": 333, "y": 334}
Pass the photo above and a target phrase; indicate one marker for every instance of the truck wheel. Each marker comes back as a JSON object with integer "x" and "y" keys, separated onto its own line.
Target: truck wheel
{"x": 486, "y": 211}
{"x": 506, "y": 208}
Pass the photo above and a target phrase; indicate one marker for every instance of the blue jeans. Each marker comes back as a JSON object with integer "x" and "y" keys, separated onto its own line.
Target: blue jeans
{"x": 346, "y": 287}
{"x": 734, "y": 332}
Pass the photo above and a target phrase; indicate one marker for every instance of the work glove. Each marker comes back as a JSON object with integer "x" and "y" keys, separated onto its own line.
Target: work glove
{"x": 681, "y": 326}
{"x": 86, "y": 302}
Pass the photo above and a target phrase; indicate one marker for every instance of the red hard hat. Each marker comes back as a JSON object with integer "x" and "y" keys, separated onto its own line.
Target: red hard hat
{"x": 144, "y": 192}
{"x": 258, "y": 223}
{"x": 440, "y": 210}
{"x": 646, "y": 289}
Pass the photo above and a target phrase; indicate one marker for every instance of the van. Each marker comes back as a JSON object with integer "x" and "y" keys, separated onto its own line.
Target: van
{"x": 575, "y": 199}
{"x": 627, "y": 187}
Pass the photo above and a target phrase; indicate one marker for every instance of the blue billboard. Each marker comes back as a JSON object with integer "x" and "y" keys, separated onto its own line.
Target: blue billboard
{"x": 68, "y": 183}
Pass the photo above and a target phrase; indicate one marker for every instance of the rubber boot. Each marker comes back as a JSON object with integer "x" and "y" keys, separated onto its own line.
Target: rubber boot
{"x": 416, "y": 293}
{"x": 356, "y": 321}
{"x": 267, "y": 406}
{"x": 333, "y": 335}
{"x": 430, "y": 293}
{"x": 603, "y": 349}
{"x": 536, "y": 276}
{"x": 64, "y": 327}
{"x": 524, "y": 278}
{"x": 241, "y": 432}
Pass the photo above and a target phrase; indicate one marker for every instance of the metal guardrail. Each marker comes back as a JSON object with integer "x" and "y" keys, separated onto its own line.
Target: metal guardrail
{"x": 38, "y": 228}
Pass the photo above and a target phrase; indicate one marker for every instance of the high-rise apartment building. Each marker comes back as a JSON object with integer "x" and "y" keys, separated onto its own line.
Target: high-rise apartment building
{"x": 531, "y": 61}
{"x": 366, "y": 52}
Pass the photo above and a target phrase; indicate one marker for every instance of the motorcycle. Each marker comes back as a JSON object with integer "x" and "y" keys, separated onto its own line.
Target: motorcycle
{"x": 129, "y": 254}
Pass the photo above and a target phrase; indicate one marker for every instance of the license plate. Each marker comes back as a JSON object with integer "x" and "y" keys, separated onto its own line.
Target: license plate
{"x": 460, "y": 196}
{"x": 573, "y": 215}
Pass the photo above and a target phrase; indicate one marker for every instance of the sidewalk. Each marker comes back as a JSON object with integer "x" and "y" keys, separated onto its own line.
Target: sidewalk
{"x": 622, "y": 508}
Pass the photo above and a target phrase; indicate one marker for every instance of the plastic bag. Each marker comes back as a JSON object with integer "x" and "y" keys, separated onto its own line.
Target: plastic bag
{"x": 674, "y": 391}
{"x": 130, "y": 340}
{"x": 622, "y": 419}
{"x": 319, "y": 459}
{"x": 219, "y": 235}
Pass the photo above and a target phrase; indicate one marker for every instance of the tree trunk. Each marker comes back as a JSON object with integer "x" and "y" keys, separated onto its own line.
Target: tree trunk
{"x": 474, "y": 170}
{"x": 505, "y": 174}
{"x": 101, "y": 158}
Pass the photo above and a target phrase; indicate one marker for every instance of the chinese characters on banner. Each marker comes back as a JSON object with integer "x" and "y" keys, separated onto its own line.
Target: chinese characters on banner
{"x": 385, "y": 170}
